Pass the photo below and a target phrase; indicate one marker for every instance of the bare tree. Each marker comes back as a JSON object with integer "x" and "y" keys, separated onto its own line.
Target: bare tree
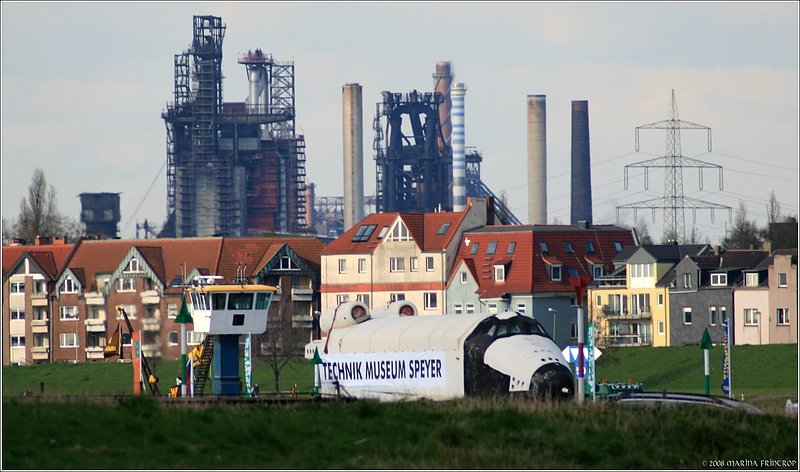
{"x": 643, "y": 231}
{"x": 39, "y": 215}
{"x": 773, "y": 209}
{"x": 744, "y": 233}
{"x": 279, "y": 345}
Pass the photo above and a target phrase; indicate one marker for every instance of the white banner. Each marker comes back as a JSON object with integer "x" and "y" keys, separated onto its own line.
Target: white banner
{"x": 384, "y": 369}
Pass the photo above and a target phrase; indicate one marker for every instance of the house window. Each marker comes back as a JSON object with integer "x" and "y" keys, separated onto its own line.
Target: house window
{"x": 492, "y": 308}
{"x": 573, "y": 301}
{"x": 40, "y": 313}
{"x": 474, "y": 249}
{"x": 660, "y": 299}
{"x": 125, "y": 285}
{"x": 68, "y": 313}
{"x": 751, "y": 317}
{"x": 68, "y": 340}
{"x": 723, "y": 315}
{"x": 640, "y": 303}
{"x": 342, "y": 299}
{"x": 543, "y": 246}
{"x": 396, "y": 264}
{"x": 40, "y": 340}
{"x": 511, "y": 247}
{"x": 555, "y": 272}
{"x": 782, "y": 315}
{"x": 589, "y": 247}
{"x": 383, "y": 231}
{"x": 429, "y": 263}
{"x": 712, "y": 316}
{"x": 751, "y": 279}
{"x": 172, "y": 310}
{"x": 287, "y": 264}
{"x": 782, "y": 279}
{"x": 719, "y": 280}
{"x": 521, "y": 308}
{"x": 573, "y": 330}
{"x": 443, "y": 229}
{"x": 413, "y": 264}
{"x": 17, "y": 314}
{"x": 363, "y": 298}
{"x": 687, "y": 280}
{"x": 362, "y": 265}
{"x": 463, "y": 277}
{"x": 130, "y": 310}
{"x": 342, "y": 266}
{"x": 572, "y": 272}
{"x": 133, "y": 265}
{"x": 597, "y": 271}
{"x": 39, "y": 286}
{"x": 430, "y": 301}
{"x": 568, "y": 247}
{"x": 470, "y": 308}
{"x": 617, "y": 246}
{"x": 397, "y": 297}
{"x": 69, "y": 286}
{"x": 499, "y": 273}
{"x": 598, "y": 301}
{"x": 457, "y": 309}
{"x": 172, "y": 338}
{"x": 399, "y": 233}
{"x": 687, "y": 316}
{"x": 17, "y": 341}
{"x": 491, "y": 248}
{"x": 660, "y": 327}
{"x": 92, "y": 313}
{"x": 17, "y": 287}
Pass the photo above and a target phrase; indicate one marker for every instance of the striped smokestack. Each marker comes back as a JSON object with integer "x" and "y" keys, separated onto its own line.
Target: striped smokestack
{"x": 457, "y": 93}
{"x": 581, "y": 196}
{"x": 537, "y": 160}
{"x": 442, "y": 79}
{"x": 353, "y": 154}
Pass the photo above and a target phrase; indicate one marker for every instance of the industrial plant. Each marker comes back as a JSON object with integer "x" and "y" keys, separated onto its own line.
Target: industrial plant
{"x": 233, "y": 168}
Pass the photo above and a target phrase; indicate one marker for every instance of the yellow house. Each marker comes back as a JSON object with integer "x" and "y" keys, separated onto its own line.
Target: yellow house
{"x": 630, "y": 307}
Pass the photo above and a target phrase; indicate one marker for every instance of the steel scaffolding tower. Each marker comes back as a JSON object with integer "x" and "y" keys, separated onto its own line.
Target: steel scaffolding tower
{"x": 673, "y": 202}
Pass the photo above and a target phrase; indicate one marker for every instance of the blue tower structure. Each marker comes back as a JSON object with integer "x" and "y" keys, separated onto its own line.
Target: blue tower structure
{"x": 226, "y": 311}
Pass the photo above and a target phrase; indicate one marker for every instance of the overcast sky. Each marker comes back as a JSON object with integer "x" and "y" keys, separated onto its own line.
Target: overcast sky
{"x": 84, "y": 85}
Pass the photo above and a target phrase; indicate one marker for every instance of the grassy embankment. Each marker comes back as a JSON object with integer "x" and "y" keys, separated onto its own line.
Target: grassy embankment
{"x": 466, "y": 434}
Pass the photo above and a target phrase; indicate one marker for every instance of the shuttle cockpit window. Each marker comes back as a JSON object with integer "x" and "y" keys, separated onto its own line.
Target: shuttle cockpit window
{"x": 515, "y": 325}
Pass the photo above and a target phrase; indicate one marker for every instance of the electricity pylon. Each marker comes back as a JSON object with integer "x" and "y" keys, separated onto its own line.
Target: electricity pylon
{"x": 673, "y": 202}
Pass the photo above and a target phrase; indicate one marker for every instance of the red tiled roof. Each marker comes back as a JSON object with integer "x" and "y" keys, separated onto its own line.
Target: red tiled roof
{"x": 59, "y": 253}
{"x": 423, "y": 228}
{"x": 527, "y": 270}
{"x": 155, "y": 259}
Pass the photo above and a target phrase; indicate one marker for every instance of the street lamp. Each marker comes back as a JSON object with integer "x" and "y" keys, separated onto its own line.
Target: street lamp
{"x": 554, "y": 312}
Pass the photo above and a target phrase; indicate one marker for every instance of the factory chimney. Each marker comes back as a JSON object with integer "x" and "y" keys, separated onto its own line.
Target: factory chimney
{"x": 537, "y": 160}
{"x": 581, "y": 195}
{"x": 353, "y": 154}
{"x": 457, "y": 93}
{"x": 442, "y": 80}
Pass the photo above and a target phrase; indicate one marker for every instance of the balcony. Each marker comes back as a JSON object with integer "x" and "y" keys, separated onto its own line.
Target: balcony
{"x": 93, "y": 353}
{"x": 95, "y": 325}
{"x": 151, "y": 324}
{"x": 40, "y": 353}
{"x": 40, "y": 326}
{"x": 624, "y": 314}
{"x": 302, "y": 294}
{"x": 151, "y": 350}
{"x": 625, "y": 340}
{"x": 150, "y": 297}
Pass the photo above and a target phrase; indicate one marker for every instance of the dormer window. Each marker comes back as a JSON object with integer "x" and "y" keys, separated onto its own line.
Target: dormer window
{"x": 69, "y": 286}
{"x": 555, "y": 272}
{"x": 499, "y": 273}
{"x": 399, "y": 233}
{"x": 133, "y": 265}
{"x": 751, "y": 279}
{"x": 287, "y": 264}
{"x": 719, "y": 280}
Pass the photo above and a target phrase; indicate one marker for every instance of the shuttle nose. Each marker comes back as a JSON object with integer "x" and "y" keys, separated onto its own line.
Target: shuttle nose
{"x": 552, "y": 382}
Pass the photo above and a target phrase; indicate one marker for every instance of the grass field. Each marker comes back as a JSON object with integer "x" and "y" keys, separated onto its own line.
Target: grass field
{"x": 140, "y": 433}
